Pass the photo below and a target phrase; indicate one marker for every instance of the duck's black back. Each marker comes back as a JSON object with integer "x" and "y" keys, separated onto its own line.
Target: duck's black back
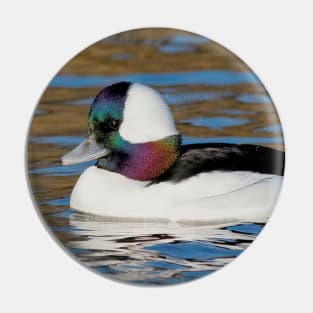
{"x": 199, "y": 158}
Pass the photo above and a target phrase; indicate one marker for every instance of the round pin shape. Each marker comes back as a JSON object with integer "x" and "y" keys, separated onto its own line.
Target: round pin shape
{"x": 155, "y": 156}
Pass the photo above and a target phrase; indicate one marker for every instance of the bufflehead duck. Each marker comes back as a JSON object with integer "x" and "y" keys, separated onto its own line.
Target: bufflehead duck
{"x": 142, "y": 171}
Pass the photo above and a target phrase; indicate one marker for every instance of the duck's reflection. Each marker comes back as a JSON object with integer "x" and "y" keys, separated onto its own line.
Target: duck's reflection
{"x": 154, "y": 252}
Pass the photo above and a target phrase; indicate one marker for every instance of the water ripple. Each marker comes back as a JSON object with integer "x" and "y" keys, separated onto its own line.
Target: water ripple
{"x": 204, "y": 77}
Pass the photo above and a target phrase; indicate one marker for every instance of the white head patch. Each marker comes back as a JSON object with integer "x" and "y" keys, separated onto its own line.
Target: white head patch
{"x": 146, "y": 116}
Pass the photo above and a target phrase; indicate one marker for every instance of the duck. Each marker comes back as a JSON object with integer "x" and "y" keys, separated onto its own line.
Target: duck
{"x": 143, "y": 171}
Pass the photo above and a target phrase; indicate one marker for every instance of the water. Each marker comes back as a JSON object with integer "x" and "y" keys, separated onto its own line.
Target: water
{"x": 182, "y": 43}
{"x": 216, "y": 122}
{"x": 213, "y": 98}
{"x": 156, "y": 253}
{"x": 215, "y": 78}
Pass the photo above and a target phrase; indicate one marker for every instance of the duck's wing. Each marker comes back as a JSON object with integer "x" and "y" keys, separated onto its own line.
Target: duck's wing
{"x": 198, "y": 158}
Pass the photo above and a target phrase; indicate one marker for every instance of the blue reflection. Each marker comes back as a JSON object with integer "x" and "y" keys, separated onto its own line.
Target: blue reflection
{"x": 250, "y": 229}
{"x": 254, "y": 98}
{"x": 57, "y": 140}
{"x": 188, "y": 39}
{"x": 204, "y": 77}
{"x": 57, "y": 202}
{"x": 78, "y": 102}
{"x": 215, "y": 122}
{"x": 182, "y": 43}
{"x": 239, "y": 112}
{"x": 164, "y": 265}
{"x": 184, "y": 98}
{"x": 40, "y": 112}
{"x": 60, "y": 170}
{"x": 270, "y": 129}
{"x": 193, "y": 250}
{"x": 235, "y": 140}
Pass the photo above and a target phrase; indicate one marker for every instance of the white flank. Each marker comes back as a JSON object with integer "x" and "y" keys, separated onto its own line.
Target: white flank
{"x": 216, "y": 196}
{"x": 146, "y": 116}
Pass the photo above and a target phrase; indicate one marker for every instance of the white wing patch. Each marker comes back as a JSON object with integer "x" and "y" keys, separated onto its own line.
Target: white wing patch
{"x": 146, "y": 116}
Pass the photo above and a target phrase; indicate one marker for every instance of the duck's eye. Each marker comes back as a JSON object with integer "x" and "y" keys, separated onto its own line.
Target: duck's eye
{"x": 107, "y": 125}
{"x": 114, "y": 124}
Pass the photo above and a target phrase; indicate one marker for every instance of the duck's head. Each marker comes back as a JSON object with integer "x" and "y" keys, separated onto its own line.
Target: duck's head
{"x": 131, "y": 132}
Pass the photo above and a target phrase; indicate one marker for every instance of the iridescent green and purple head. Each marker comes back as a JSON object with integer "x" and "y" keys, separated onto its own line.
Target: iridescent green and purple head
{"x": 132, "y": 132}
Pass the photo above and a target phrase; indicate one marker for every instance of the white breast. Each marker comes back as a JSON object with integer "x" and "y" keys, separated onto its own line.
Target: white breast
{"x": 216, "y": 196}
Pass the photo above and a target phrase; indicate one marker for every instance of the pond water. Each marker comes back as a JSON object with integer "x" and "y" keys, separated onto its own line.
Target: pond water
{"x": 213, "y": 97}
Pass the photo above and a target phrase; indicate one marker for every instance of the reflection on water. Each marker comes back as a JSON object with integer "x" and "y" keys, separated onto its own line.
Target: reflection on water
{"x": 182, "y": 43}
{"x": 236, "y": 112}
{"x": 213, "y": 97}
{"x": 216, "y": 122}
{"x": 271, "y": 129}
{"x": 214, "y": 78}
{"x": 253, "y": 98}
{"x": 235, "y": 140}
{"x": 155, "y": 253}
